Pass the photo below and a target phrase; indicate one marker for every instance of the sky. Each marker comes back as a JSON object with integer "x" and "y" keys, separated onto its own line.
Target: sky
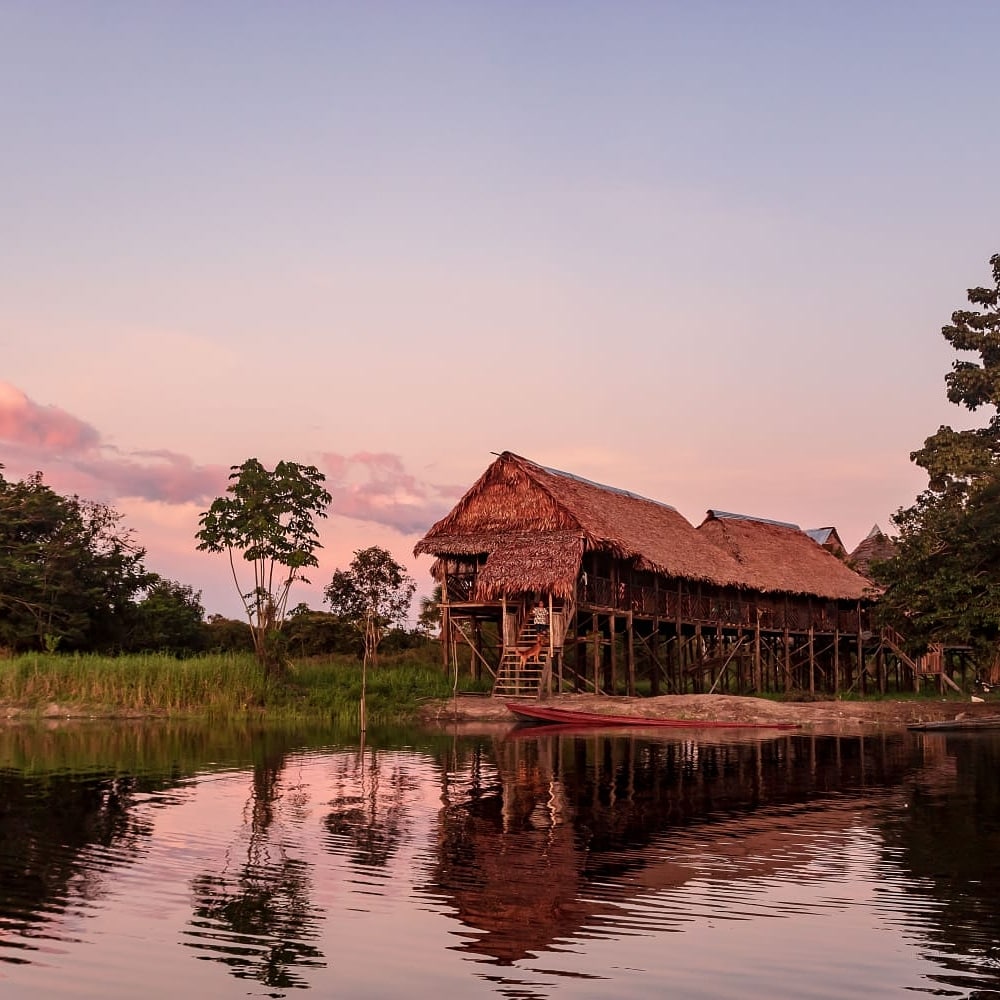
{"x": 701, "y": 252}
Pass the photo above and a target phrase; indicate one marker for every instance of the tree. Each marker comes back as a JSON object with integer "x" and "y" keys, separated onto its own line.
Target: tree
{"x": 956, "y": 460}
{"x": 269, "y": 518}
{"x": 69, "y": 571}
{"x": 169, "y": 618}
{"x": 373, "y": 594}
{"x": 429, "y": 619}
{"x": 943, "y": 584}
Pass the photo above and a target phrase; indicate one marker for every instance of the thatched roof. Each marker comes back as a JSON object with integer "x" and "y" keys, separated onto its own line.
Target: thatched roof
{"x": 520, "y": 515}
{"x": 779, "y": 557}
{"x": 532, "y": 525}
{"x": 874, "y": 546}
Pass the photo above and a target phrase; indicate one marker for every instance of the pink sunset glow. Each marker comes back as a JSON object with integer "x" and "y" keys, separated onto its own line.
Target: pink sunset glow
{"x": 702, "y": 255}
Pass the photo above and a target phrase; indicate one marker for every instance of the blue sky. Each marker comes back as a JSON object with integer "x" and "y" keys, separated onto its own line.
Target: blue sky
{"x": 701, "y": 252}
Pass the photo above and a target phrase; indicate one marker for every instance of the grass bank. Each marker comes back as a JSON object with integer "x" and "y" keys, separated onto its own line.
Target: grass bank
{"x": 218, "y": 686}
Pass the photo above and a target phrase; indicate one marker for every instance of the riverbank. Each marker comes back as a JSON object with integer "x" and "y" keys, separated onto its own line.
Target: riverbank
{"x": 826, "y": 717}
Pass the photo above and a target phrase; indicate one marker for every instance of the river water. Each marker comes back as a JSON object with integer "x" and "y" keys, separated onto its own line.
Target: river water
{"x": 193, "y": 861}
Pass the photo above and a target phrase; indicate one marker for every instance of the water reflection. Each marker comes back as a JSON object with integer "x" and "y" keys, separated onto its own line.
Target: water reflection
{"x": 61, "y": 837}
{"x": 572, "y": 828}
{"x": 369, "y": 813}
{"x": 256, "y": 916}
{"x": 525, "y": 865}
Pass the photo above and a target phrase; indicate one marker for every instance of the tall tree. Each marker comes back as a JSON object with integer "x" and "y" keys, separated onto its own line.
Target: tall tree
{"x": 268, "y": 518}
{"x": 943, "y": 585}
{"x": 69, "y": 570}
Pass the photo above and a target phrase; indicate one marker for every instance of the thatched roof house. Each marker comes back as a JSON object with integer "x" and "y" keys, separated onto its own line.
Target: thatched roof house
{"x": 875, "y": 546}
{"x": 528, "y": 527}
{"x": 778, "y": 557}
{"x": 533, "y": 524}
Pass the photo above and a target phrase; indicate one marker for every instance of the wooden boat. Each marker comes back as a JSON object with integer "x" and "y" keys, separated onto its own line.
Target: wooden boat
{"x": 955, "y": 725}
{"x": 541, "y": 714}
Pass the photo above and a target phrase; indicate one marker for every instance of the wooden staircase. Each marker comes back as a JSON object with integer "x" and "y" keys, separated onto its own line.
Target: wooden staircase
{"x": 527, "y": 681}
{"x": 929, "y": 664}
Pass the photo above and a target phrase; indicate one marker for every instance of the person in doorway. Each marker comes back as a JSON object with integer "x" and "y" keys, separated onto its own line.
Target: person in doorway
{"x": 540, "y": 619}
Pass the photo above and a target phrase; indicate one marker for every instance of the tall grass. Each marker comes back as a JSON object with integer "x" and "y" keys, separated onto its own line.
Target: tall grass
{"x": 223, "y": 685}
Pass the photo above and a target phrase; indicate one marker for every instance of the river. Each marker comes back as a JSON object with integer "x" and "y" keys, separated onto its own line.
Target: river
{"x": 166, "y": 860}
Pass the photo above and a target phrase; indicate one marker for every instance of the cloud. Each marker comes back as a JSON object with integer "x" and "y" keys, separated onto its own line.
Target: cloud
{"x": 375, "y": 486}
{"x": 73, "y": 456}
{"x": 46, "y": 429}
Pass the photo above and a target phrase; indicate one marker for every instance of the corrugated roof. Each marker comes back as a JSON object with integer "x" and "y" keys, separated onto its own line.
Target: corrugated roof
{"x": 728, "y": 515}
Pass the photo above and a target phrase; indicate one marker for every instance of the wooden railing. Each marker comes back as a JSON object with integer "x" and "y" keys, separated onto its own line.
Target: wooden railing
{"x": 720, "y": 608}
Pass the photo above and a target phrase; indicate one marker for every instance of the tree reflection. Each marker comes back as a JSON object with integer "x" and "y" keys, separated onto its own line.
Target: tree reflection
{"x": 60, "y": 836}
{"x": 948, "y": 840}
{"x": 260, "y": 920}
{"x": 368, "y": 817}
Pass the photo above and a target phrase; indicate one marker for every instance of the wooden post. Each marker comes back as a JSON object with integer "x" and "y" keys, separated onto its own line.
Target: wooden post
{"x": 836, "y": 660}
{"x": 596, "y": 641}
{"x": 812, "y": 660}
{"x": 697, "y": 652}
{"x": 630, "y": 653}
{"x": 861, "y": 655}
{"x": 613, "y": 651}
{"x": 654, "y": 667}
{"x": 548, "y": 684}
{"x": 788, "y": 654}
{"x": 758, "y": 679}
{"x": 445, "y": 638}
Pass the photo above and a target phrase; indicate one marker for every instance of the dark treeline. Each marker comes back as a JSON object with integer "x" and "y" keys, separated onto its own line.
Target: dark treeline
{"x": 73, "y": 579}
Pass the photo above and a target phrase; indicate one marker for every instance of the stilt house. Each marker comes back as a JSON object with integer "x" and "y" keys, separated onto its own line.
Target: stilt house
{"x": 635, "y": 594}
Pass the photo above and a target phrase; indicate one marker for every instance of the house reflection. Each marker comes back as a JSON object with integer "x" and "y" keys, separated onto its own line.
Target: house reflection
{"x": 570, "y": 827}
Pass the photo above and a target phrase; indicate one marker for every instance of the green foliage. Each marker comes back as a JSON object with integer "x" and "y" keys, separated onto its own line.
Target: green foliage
{"x": 228, "y": 687}
{"x": 943, "y": 585}
{"x": 69, "y": 572}
{"x": 226, "y": 635}
{"x": 429, "y": 619}
{"x": 268, "y": 518}
{"x": 373, "y": 594}
{"x": 169, "y": 618}
{"x": 955, "y": 460}
{"x": 319, "y": 633}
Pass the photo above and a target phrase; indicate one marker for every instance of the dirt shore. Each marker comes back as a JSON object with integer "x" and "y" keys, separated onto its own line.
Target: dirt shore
{"x": 813, "y": 716}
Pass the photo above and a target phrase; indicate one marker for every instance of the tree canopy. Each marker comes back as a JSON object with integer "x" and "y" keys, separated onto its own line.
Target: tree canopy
{"x": 943, "y": 585}
{"x": 69, "y": 571}
{"x": 374, "y": 593}
{"x": 268, "y": 518}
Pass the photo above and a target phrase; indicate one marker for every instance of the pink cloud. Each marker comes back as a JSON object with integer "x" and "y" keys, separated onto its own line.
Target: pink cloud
{"x": 73, "y": 457}
{"x": 162, "y": 475}
{"x": 44, "y": 428}
{"x": 375, "y": 486}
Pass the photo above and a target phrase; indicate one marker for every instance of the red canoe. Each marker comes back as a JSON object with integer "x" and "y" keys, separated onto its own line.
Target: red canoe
{"x": 535, "y": 714}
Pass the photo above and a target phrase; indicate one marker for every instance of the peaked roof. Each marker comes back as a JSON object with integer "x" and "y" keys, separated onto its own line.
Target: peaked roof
{"x": 778, "y": 557}
{"x": 533, "y": 524}
{"x": 876, "y": 545}
{"x": 516, "y": 496}
{"x": 829, "y": 538}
